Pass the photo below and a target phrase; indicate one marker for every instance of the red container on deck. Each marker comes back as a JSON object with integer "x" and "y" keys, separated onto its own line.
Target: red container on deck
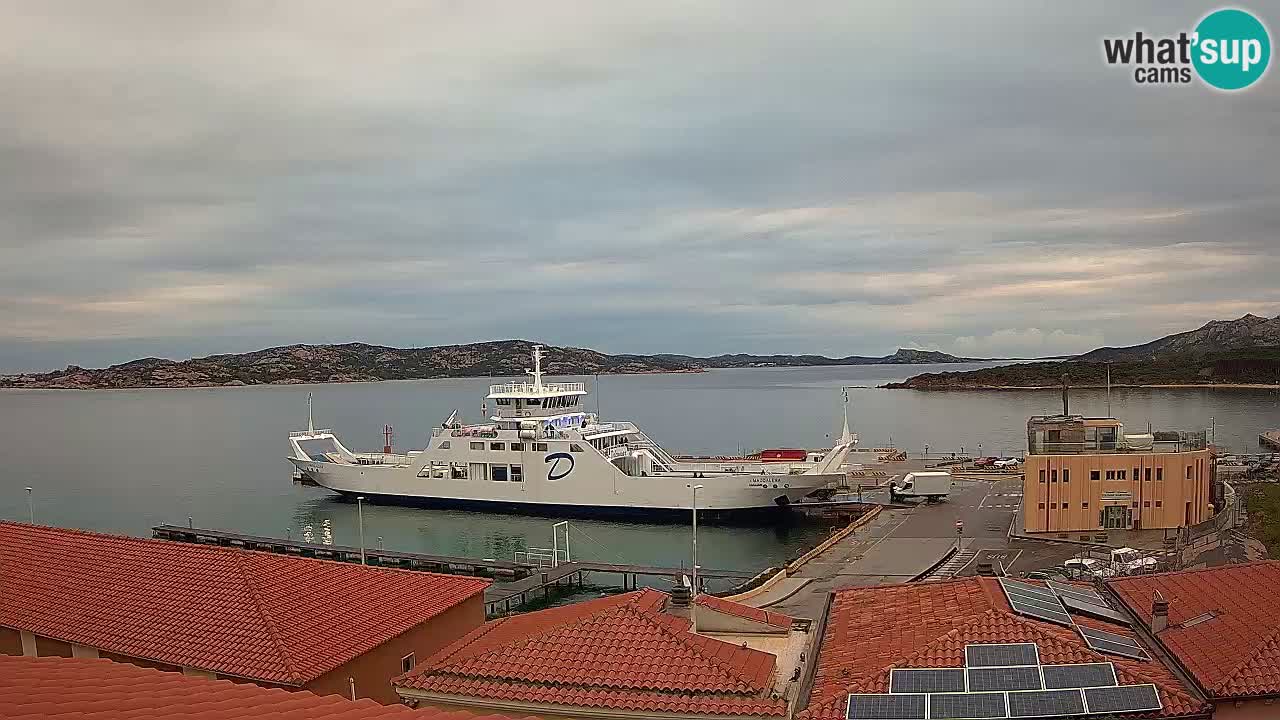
{"x": 783, "y": 455}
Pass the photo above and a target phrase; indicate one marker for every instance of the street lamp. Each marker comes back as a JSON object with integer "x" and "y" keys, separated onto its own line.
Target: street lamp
{"x": 693, "y": 611}
{"x": 31, "y": 509}
{"x": 360, "y": 516}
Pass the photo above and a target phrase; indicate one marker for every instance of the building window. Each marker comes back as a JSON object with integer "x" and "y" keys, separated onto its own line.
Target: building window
{"x": 1053, "y": 506}
{"x": 1159, "y": 503}
{"x": 1053, "y": 476}
{"x": 1042, "y": 475}
{"x": 1135, "y": 503}
{"x": 1066, "y": 475}
{"x": 1147, "y": 475}
{"x": 1095, "y": 474}
{"x": 1084, "y": 505}
{"x": 1159, "y": 474}
{"x": 1120, "y": 474}
{"x": 1111, "y": 474}
{"x": 517, "y": 473}
{"x": 477, "y": 446}
{"x": 1188, "y": 472}
{"x": 517, "y": 447}
{"x": 499, "y": 473}
{"x": 407, "y": 662}
{"x": 1146, "y": 503}
{"x": 497, "y": 446}
{"x": 1041, "y": 506}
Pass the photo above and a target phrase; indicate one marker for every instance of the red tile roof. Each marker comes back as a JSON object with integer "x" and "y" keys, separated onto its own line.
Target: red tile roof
{"x": 621, "y": 652}
{"x": 256, "y": 615}
{"x": 83, "y": 689}
{"x": 736, "y": 609}
{"x": 1224, "y": 624}
{"x": 870, "y": 630}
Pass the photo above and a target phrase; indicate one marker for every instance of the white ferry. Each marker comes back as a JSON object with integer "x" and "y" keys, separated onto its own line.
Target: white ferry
{"x": 542, "y": 453}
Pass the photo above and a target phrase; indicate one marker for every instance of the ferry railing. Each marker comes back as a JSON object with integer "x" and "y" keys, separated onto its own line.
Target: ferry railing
{"x": 304, "y": 433}
{"x": 381, "y": 459}
{"x": 526, "y": 387}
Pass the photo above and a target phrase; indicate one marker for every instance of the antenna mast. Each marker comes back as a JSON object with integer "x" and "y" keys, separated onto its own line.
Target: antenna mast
{"x": 311, "y": 426}
{"x": 536, "y": 372}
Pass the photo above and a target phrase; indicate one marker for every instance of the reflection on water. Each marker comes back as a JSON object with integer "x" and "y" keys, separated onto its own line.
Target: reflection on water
{"x": 124, "y": 461}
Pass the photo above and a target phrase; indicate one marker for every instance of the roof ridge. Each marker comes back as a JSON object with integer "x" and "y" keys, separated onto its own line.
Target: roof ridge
{"x": 1135, "y": 579}
{"x": 272, "y": 631}
{"x": 536, "y": 634}
{"x": 686, "y": 638}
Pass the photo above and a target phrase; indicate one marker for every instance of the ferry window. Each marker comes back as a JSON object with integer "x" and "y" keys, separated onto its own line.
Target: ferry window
{"x": 532, "y": 401}
{"x": 1159, "y": 473}
{"x": 479, "y": 471}
{"x": 575, "y": 447}
{"x": 499, "y": 473}
{"x": 1095, "y": 474}
{"x": 517, "y": 473}
{"x": 407, "y": 662}
{"x": 1148, "y": 474}
{"x": 444, "y": 445}
{"x": 539, "y": 447}
{"x": 503, "y": 401}
{"x": 458, "y": 471}
{"x": 1066, "y": 475}
{"x": 517, "y": 447}
{"x": 497, "y": 446}
{"x": 1041, "y": 475}
{"x": 477, "y": 446}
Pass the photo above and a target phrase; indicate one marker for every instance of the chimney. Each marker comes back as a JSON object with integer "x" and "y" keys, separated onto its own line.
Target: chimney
{"x": 1159, "y": 614}
{"x": 681, "y": 599}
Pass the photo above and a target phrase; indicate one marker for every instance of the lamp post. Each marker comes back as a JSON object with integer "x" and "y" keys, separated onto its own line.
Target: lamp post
{"x": 31, "y": 509}
{"x": 360, "y": 518}
{"x": 693, "y": 610}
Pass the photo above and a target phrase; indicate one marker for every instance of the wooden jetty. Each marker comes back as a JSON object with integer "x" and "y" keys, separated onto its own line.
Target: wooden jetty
{"x": 1270, "y": 439}
{"x": 515, "y": 583}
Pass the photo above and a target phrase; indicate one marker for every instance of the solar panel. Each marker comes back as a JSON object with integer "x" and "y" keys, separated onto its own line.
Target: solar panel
{"x": 1122, "y": 699}
{"x": 1079, "y": 676}
{"x": 1027, "y": 588}
{"x": 1046, "y": 703}
{"x": 1001, "y": 655}
{"x": 915, "y": 680}
{"x": 1004, "y": 678}
{"x": 949, "y": 706}
{"x": 1036, "y": 606}
{"x": 887, "y": 707}
{"x": 1077, "y": 591}
{"x": 1102, "y": 612}
{"x": 1106, "y": 642}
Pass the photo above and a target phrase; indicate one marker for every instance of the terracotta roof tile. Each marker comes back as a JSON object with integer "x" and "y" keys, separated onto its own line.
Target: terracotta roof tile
{"x": 1224, "y": 623}
{"x": 620, "y": 652}
{"x": 870, "y": 630}
{"x": 252, "y": 614}
{"x": 759, "y": 615}
{"x": 83, "y": 689}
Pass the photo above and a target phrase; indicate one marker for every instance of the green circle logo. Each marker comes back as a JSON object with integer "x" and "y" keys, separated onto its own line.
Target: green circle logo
{"x": 1232, "y": 49}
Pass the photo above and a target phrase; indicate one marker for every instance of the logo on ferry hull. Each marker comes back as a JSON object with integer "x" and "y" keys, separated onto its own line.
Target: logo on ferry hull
{"x": 554, "y": 460}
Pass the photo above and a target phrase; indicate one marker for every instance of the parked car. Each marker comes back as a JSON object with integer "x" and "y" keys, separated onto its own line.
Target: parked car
{"x": 984, "y": 462}
{"x": 1088, "y": 568}
{"x": 1007, "y": 463}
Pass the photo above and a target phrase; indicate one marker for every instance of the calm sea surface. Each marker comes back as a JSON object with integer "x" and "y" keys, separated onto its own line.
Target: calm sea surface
{"x": 124, "y": 460}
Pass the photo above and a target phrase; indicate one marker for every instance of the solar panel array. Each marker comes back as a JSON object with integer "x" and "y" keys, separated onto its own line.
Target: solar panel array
{"x": 1108, "y": 642}
{"x": 1035, "y": 601}
{"x": 985, "y": 689}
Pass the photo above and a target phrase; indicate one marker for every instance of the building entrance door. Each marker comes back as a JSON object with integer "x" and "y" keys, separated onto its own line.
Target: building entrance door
{"x": 1115, "y": 517}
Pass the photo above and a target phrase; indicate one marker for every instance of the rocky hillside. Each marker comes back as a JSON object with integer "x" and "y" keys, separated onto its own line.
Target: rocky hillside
{"x": 902, "y": 357}
{"x": 1250, "y": 331}
{"x": 356, "y": 362}
{"x": 1223, "y": 352}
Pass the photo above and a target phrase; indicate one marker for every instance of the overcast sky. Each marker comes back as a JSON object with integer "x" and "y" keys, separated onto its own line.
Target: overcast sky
{"x": 183, "y": 178}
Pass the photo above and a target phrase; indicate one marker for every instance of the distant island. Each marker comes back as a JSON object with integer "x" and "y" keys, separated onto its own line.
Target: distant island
{"x": 359, "y": 362}
{"x": 1239, "y": 353}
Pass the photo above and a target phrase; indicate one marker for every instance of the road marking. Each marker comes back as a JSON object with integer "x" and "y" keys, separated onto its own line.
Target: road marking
{"x": 998, "y": 554}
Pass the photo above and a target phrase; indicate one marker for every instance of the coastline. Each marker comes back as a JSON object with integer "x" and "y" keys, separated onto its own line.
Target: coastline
{"x": 1165, "y": 386}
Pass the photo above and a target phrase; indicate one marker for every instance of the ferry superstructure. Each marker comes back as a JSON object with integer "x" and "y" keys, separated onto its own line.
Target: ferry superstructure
{"x": 541, "y": 452}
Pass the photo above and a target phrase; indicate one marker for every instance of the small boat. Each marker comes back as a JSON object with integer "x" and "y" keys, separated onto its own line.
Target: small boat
{"x": 542, "y": 453}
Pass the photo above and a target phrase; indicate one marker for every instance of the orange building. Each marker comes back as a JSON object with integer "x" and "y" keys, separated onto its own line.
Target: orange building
{"x": 1087, "y": 474}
